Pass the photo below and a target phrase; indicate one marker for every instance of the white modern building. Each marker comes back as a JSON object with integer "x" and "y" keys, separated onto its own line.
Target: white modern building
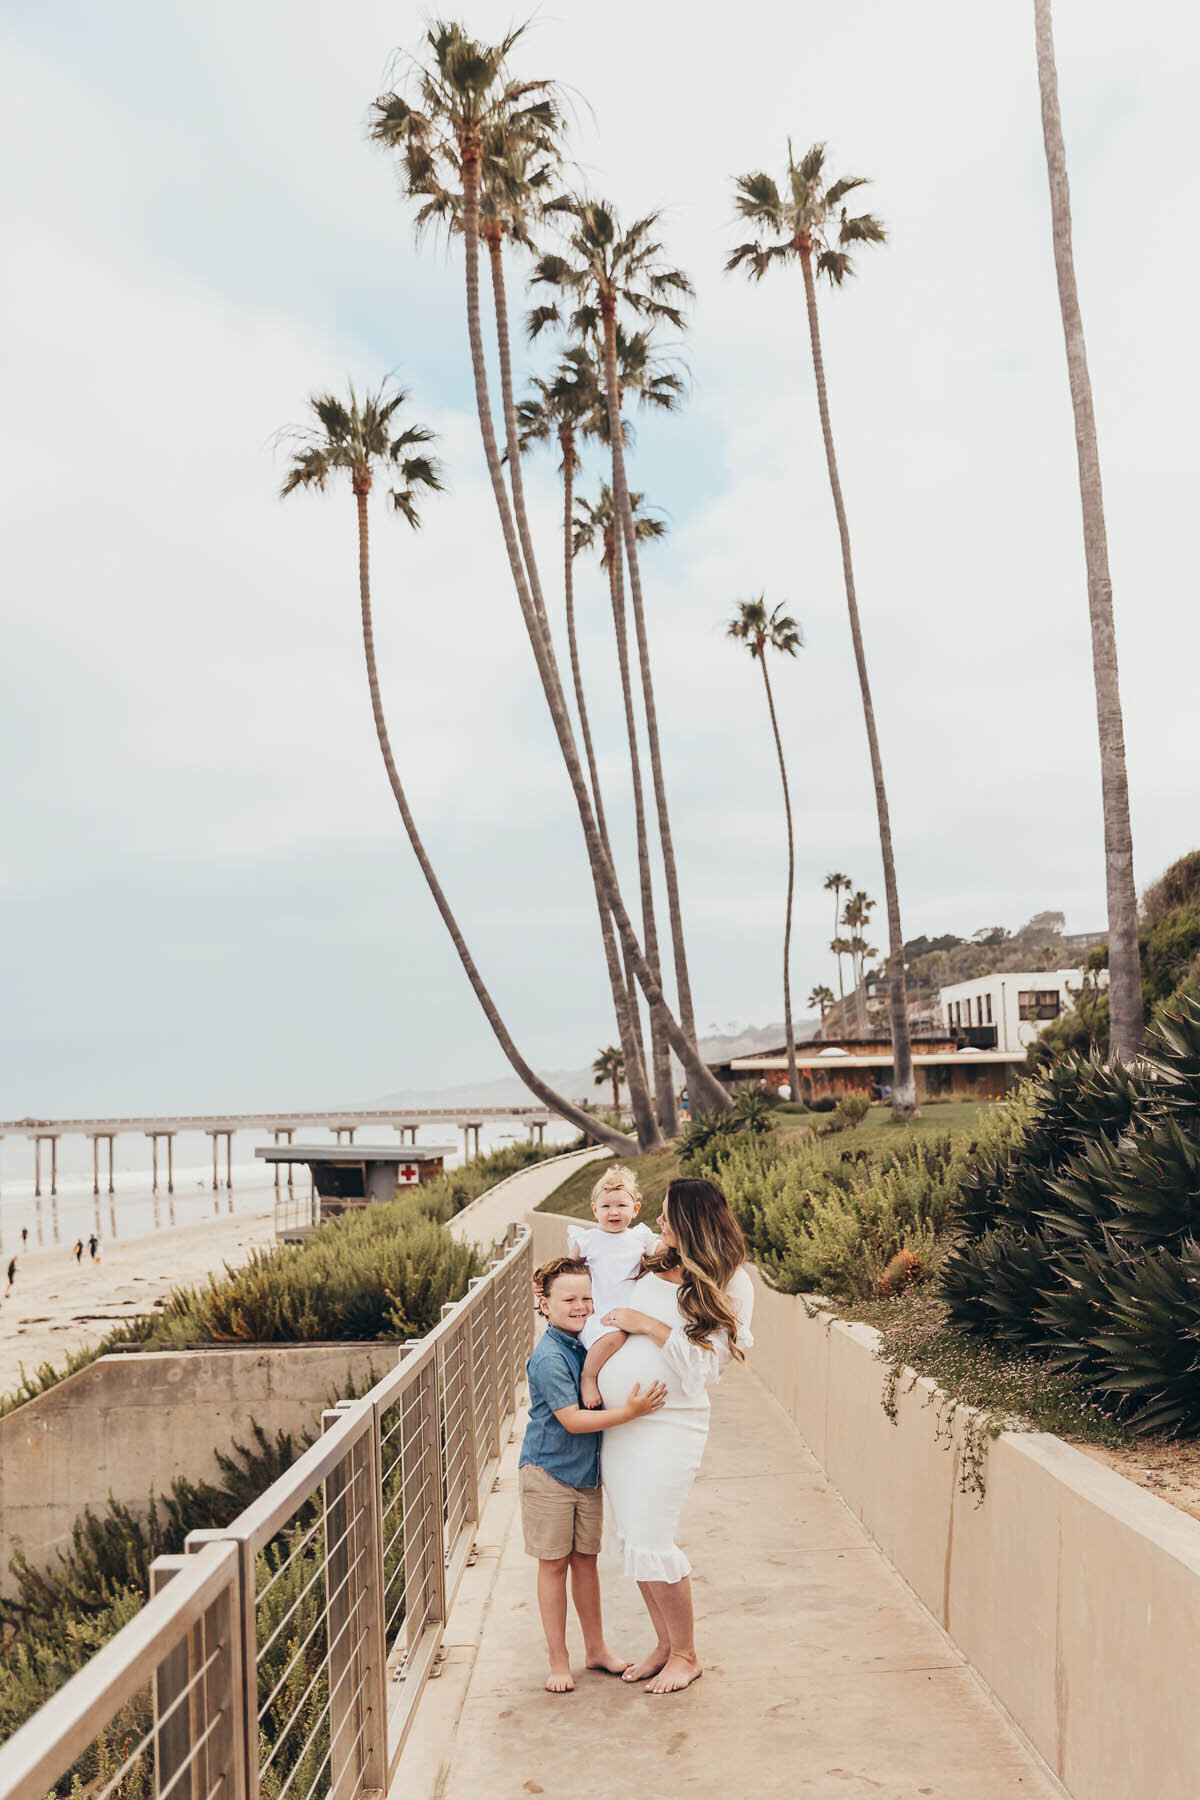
{"x": 1011, "y": 1008}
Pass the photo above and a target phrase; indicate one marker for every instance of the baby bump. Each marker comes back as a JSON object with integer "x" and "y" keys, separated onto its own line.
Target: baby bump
{"x": 639, "y": 1359}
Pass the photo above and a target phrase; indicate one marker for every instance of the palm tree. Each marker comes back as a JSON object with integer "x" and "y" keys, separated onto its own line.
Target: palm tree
{"x": 834, "y": 884}
{"x": 596, "y": 525}
{"x": 821, "y": 997}
{"x": 855, "y": 915}
{"x": 467, "y": 103}
{"x": 570, "y": 406}
{"x": 610, "y": 1066}
{"x": 610, "y": 270}
{"x": 1124, "y": 964}
{"x": 804, "y": 223}
{"x": 761, "y": 631}
{"x": 360, "y": 439}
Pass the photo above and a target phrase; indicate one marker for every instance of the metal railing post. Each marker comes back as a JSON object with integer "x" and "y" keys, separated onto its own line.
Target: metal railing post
{"x": 175, "y": 1724}
{"x": 215, "y": 1715}
{"x": 353, "y": 1575}
{"x": 232, "y": 1685}
{"x": 424, "y": 1468}
{"x": 466, "y": 1363}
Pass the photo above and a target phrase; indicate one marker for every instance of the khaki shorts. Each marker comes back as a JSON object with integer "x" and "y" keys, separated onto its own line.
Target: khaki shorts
{"x": 558, "y": 1519}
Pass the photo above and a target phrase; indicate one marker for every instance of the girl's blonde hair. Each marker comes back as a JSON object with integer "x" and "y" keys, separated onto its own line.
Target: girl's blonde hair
{"x": 710, "y": 1248}
{"x": 620, "y": 1179}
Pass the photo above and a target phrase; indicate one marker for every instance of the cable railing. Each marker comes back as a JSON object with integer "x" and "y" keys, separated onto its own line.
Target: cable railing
{"x": 283, "y": 1657}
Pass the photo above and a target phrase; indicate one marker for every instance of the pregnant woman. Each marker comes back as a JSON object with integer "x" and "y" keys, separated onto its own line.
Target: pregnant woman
{"x": 688, "y": 1315}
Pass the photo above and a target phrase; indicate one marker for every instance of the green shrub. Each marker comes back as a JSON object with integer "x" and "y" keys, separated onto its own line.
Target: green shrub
{"x": 849, "y": 1110}
{"x": 1081, "y": 1238}
{"x": 376, "y": 1272}
{"x": 815, "y": 1224}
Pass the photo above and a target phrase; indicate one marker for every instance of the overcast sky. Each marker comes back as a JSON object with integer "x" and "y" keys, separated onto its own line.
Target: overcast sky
{"x": 207, "y": 896}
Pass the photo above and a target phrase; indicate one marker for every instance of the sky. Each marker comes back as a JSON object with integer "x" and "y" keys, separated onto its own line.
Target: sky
{"x": 208, "y": 900}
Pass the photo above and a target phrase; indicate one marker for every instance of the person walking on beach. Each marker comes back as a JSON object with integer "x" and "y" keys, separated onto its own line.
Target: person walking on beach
{"x": 24, "y": 1237}
{"x": 78, "y": 1250}
{"x": 12, "y": 1275}
{"x": 94, "y": 1247}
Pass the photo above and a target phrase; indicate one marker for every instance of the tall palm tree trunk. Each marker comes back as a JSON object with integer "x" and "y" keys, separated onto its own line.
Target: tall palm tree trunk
{"x": 793, "y": 1078}
{"x": 623, "y": 509}
{"x": 837, "y": 908}
{"x": 633, "y": 1051}
{"x": 626, "y": 1015}
{"x": 608, "y": 893}
{"x": 616, "y": 1140}
{"x": 904, "y": 1089}
{"x": 860, "y": 990}
{"x": 664, "y": 1086}
{"x": 1126, "y": 1014}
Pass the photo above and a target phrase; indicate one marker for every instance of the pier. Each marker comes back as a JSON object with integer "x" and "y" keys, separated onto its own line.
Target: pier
{"x": 222, "y": 1127}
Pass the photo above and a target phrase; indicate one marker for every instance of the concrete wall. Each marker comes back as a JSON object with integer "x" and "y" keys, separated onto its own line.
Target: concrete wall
{"x": 127, "y": 1425}
{"x": 1074, "y": 1593}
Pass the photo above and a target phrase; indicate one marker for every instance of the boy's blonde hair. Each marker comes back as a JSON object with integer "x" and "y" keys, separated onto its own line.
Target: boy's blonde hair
{"x": 621, "y": 1179}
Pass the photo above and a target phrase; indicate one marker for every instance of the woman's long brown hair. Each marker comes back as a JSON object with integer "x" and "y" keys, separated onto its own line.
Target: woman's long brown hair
{"x": 710, "y": 1249}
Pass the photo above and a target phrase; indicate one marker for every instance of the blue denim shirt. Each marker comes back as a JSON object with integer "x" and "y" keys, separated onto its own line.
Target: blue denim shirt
{"x": 554, "y": 1370}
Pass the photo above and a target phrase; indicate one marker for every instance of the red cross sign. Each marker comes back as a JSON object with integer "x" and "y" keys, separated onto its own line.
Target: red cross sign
{"x": 407, "y": 1173}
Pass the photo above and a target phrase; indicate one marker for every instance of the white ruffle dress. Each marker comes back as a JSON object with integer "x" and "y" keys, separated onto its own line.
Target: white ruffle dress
{"x": 613, "y": 1259}
{"x": 648, "y": 1466}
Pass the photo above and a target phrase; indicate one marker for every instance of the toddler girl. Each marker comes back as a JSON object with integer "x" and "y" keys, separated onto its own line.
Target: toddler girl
{"x": 613, "y": 1253}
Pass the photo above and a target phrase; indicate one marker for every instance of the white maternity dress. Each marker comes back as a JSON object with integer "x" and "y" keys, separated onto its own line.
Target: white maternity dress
{"x": 648, "y": 1466}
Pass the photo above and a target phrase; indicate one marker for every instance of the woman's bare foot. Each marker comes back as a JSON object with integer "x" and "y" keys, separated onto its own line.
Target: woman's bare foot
{"x": 560, "y": 1681}
{"x": 607, "y": 1662}
{"x": 649, "y": 1665}
{"x": 589, "y": 1391}
{"x": 678, "y": 1673}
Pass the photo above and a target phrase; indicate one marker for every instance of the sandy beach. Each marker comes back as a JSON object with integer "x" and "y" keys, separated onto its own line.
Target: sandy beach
{"x": 57, "y": 1305}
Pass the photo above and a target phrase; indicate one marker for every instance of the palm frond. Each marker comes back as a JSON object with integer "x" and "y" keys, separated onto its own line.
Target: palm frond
{"x": 757, "y": 197}
{"x": 863, "y": 230}
{"x": 836, "y": 265}
{"x": 844, "y": 185}
{"x": 539, "y": 318}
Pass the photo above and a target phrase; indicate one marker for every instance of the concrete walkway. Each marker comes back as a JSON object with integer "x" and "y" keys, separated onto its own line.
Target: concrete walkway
{"x": 488, "y": 1218}
{"x": 824, "y": 1674}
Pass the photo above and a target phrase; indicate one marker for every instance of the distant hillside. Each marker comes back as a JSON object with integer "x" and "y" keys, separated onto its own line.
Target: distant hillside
{"x": 933, "y": 963}
{"x": 580, "y": 1084}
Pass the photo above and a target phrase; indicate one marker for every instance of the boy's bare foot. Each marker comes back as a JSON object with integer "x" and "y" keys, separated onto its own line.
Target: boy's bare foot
{"x": 608, "y": 1663}
{"x": 649, "y": 1665}
{"x": 560, "y": 1681}
{"x": 678, "y": 1673}
{"x": 589, "y": 1392}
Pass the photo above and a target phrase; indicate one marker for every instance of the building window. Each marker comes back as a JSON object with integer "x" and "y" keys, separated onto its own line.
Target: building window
{"x": 989, "y": 1009}
{"x": 1039, "y": 1003}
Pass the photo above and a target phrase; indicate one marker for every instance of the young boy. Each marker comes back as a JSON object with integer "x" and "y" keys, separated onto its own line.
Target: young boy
{"x": 562, "y": 1508}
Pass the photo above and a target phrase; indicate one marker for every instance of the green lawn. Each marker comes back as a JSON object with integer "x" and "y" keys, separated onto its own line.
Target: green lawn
{"x": 878, "y": 1129}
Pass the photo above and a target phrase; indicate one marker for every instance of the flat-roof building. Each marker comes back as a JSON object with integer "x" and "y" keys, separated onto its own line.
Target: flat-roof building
{"x": 345, "y": 1176}
{"x": 1007, "y": 1011}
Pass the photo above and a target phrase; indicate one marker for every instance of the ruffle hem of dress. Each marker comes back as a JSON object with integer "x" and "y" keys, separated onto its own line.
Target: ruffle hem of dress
{"x": 649, "y": 1565}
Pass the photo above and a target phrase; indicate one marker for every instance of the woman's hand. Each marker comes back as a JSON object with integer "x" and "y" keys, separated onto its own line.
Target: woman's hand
{"x": 625, "y": 1319}
{"x": 637, "y": 1323}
